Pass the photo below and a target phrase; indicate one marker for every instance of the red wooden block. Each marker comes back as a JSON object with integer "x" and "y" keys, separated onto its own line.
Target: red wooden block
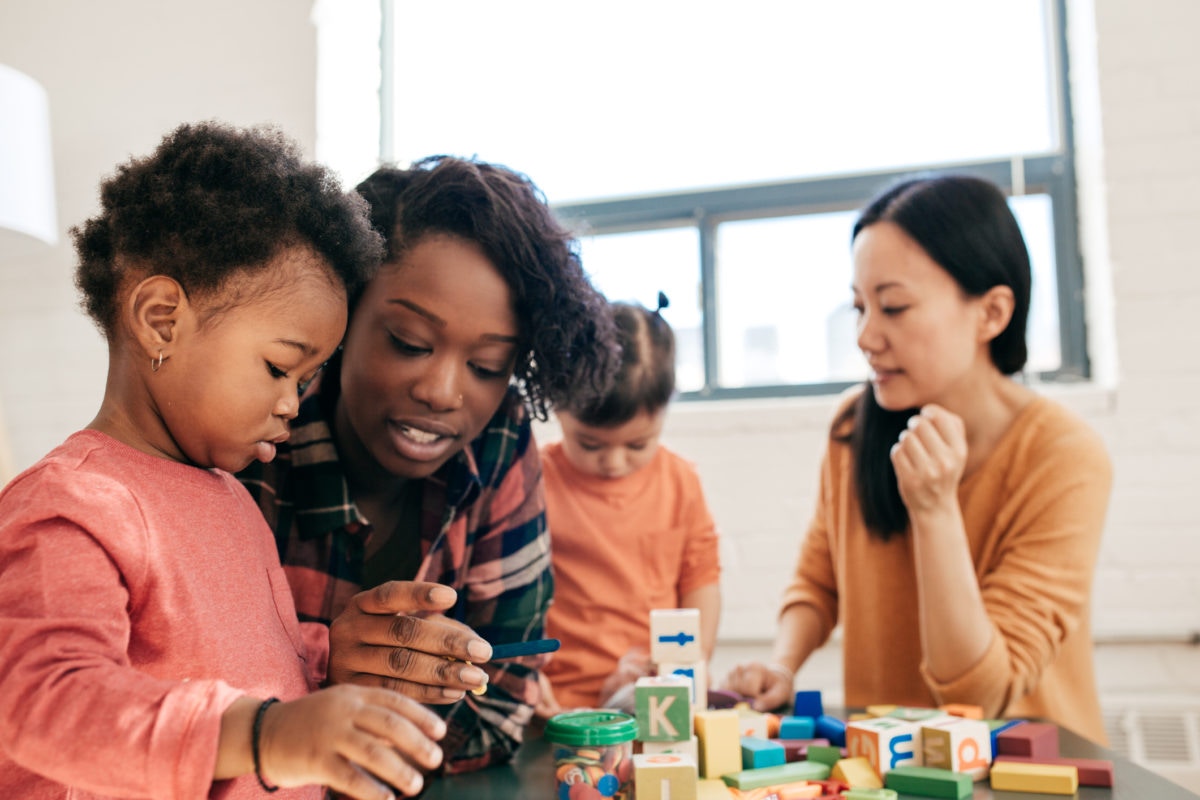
{"x": 1092, "y": 771}
{"x": 1032, "y": 739}
{"x": 797, "y": 749}
{"x": 831, "y": 787}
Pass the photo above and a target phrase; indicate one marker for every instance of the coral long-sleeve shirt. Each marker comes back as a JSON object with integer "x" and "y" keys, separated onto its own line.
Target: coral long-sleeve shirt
{"x": 1033, "y": 513}
{"x": 139, "y": 598}
{"x": 620, "y": 548}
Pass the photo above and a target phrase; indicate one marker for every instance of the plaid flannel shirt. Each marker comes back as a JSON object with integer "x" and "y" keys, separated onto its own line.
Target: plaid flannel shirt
{"x": 483, "y": 532}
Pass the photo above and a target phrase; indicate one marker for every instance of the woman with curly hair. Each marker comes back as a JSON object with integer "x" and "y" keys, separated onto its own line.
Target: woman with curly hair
{"x": 412, "y": 465}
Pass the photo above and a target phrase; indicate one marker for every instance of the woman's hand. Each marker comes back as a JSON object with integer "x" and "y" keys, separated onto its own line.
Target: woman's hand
{"x": 395, "y": 636}
{"x": 354, "y": 739}
{"x": 929, "y": 458}
{"x": 768, "y": 686}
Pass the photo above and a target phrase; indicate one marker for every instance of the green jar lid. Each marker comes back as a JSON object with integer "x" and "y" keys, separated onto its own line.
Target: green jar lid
{"x": 591, "y": 727}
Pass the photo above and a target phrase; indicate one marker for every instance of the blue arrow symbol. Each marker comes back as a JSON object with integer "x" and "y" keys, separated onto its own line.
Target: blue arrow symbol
{"x": 680, "y": 638}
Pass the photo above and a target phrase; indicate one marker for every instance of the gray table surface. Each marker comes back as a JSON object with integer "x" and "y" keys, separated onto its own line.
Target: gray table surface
{"x": 530, "y": 776}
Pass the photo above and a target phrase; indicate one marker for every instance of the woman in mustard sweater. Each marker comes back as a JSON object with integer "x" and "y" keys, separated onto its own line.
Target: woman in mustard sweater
{"x": 959, "y": 513}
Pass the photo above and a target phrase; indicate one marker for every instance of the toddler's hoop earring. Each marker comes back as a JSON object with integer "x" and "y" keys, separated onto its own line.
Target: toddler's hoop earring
{"x": 155, "y": 363}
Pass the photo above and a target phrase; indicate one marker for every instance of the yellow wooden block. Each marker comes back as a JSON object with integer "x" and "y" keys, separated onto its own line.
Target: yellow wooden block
{"x": 857, "y": 773}
{"x": 712, "y": 789}
{"x": 718, "y": 733}
{"x": 881, "y": 710}
{"x": 859, "y": 716}
{"x": 1014, "y": 776}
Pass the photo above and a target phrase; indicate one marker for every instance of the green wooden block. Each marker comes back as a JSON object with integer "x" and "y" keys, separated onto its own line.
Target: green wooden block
{"x": 915, "y": 713}
{"x": 784, "y": 773}
{"x": 664, "y": 711}
{"x": 930, "y": 782}
{"x": 870, "y": 794}
{"x": 826, "y": 755}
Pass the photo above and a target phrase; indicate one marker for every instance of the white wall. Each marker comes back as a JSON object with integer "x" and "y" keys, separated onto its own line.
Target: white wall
{"x": 119, "y": 75}
{"x": 123, "y": 72}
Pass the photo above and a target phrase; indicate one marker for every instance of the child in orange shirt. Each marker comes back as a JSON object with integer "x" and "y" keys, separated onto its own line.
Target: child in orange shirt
{"x": 629, "y": 528}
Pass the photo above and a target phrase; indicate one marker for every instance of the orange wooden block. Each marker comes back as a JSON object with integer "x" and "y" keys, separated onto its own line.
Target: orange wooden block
{"x": 963, "y": 710}
{"x": 1014, "y": 776}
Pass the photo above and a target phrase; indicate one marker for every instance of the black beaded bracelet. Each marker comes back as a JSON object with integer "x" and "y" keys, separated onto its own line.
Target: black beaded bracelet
{"x": 258, "y": 719}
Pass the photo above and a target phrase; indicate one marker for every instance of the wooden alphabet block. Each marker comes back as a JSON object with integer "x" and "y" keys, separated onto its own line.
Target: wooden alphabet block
{"x": 881, "y": 710}
{"x": 1037, "y": 739}
{"x": 689, "y": 746}
{"x": 1013, "y": 776}
{"x": 675, "y": 636}
{"x": 663, "y": 708}
{"x": 930, "y": 782}
{"x": 754, "y": 723}
{"x": 1091, "y": 771}
{"x": 664, "y": 776}
{"x": 758, "y": 753}
{"x": 697, "y": 672}
{"x": 856, "y": 771}
{"x": 718, "y": 733}
{"x": 885, "y": 742}
{"x": 957, "y": 744}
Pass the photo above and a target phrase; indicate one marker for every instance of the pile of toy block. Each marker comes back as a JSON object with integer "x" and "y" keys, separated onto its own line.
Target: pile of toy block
{"x": 688, "y": 751}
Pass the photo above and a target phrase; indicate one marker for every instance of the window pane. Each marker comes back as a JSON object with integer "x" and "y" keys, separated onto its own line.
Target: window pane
{"x": 629, "y": 97}
{"x": 783, "y": 288}
{"x": 635, "y": 267}
{"x": 1035, "y": 215}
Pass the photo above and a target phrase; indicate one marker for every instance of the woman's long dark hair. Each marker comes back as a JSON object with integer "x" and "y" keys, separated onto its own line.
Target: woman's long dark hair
{"x": 965, "y": 225}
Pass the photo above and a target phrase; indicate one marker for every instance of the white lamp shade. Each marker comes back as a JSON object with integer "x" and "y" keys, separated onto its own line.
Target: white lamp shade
{"x": 27, "y": 211}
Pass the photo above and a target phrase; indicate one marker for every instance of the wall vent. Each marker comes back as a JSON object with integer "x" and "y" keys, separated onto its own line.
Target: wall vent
{"x": 1162, "y": 739}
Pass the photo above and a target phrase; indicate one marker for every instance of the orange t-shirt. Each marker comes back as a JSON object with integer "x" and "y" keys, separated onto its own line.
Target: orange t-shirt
{"x": 619, "y": 549}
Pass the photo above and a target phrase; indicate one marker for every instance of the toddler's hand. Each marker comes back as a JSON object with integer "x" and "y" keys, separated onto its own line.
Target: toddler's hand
{"x": 336, "y": 736}
{"x": 547, "y": 704}
{"x": 768, "y": 687}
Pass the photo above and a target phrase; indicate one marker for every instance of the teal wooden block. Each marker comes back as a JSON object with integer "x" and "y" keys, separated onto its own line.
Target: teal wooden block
{"x": 791, "y": 727}
{"x": 930, "y": 782}
{"x": 758, "y": 753}
{"x": 784, "y": 773}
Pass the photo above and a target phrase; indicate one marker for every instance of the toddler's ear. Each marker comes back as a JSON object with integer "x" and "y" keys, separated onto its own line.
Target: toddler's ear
{"x": 155, "y": 308}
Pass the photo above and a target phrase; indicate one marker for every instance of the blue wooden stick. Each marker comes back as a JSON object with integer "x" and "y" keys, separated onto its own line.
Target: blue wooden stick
{"x": 503, "y": 651}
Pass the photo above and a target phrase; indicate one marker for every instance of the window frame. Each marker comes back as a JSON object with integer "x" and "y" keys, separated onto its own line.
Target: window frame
{"x": 1051, "y": 173}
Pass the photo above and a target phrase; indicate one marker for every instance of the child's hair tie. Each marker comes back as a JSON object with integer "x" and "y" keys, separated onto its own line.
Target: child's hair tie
{"x": 663, "y": 302}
